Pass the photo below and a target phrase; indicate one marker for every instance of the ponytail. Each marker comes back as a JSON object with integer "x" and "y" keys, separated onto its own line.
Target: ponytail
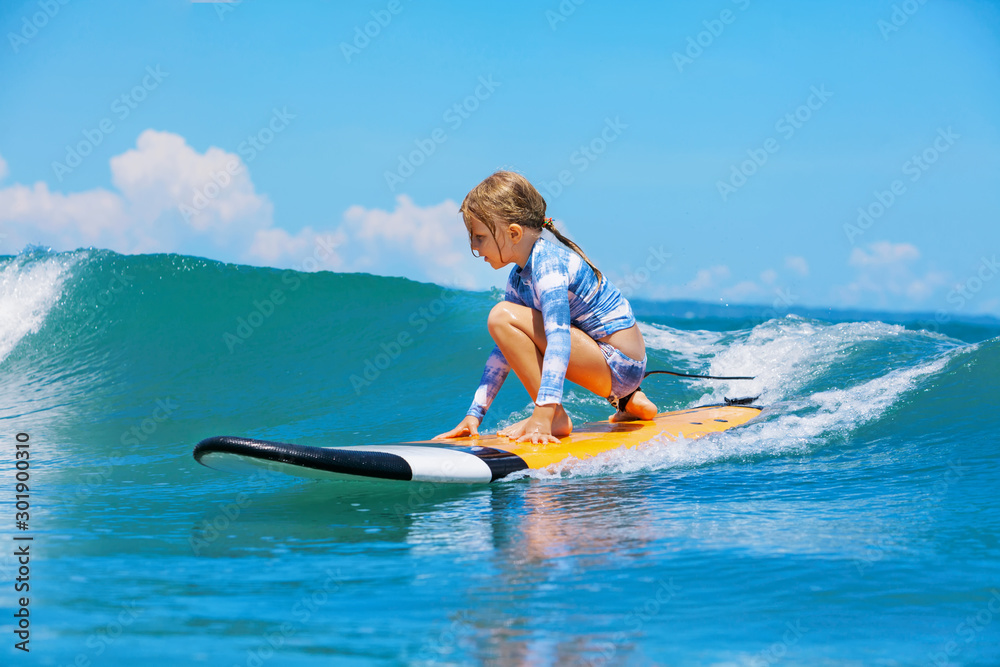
{"x": 547, "y": 224}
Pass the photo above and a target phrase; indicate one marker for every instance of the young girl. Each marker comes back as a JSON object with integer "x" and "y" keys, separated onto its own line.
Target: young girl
{"x": 560, "y": 318}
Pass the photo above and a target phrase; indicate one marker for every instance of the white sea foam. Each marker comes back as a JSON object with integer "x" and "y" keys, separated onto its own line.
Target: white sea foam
{"x": 692, "y": 346}
{"x": 784, "y": 355}
{"x": 29, "y": 288}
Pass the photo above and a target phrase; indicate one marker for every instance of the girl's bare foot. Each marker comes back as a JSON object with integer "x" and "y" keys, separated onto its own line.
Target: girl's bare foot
{"x": 562, "y": 426}
{"x": 639, "y": 407}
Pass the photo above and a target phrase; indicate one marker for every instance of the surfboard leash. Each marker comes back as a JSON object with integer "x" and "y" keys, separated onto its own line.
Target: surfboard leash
{"x": 700, "y": 377}
{"x": 622, "y": 402}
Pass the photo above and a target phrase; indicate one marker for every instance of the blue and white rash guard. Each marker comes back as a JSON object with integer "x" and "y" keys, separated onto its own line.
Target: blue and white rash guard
{"x": 558, "y": 283}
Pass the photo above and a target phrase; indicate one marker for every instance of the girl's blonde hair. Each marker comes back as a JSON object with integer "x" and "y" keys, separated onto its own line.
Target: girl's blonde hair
{"x": 508, "y": 197}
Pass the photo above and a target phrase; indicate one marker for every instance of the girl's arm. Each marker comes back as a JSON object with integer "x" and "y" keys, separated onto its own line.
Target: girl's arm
{"x": 552, "y": 286}
{"x": 494, "y": 374}
{"x": 553, "y": 297}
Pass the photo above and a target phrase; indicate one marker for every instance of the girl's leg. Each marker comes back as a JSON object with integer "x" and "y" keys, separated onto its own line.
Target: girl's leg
{"x": 520, "y": 334}
{"x": 520, "y": 330}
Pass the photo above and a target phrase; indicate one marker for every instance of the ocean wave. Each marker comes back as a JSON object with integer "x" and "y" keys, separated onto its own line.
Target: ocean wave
{"x": 790, "y": 355}
{"x": 30, "y": 285}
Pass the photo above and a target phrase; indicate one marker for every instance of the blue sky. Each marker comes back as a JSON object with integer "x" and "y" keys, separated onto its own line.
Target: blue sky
{"x": 717, "y": 151}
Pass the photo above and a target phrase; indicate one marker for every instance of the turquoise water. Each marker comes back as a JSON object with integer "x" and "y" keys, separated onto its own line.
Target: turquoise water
{"x": 854, "y": 523}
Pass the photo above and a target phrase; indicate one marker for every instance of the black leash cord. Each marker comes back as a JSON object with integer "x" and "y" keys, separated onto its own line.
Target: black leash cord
{"x": 700, "y": 377}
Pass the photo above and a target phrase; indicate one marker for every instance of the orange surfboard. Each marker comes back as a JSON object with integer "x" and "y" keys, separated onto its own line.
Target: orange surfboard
{"x": 463, "y": 460}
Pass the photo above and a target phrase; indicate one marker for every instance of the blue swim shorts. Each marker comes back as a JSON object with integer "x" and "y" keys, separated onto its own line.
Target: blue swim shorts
{"x": 626, "y": 372}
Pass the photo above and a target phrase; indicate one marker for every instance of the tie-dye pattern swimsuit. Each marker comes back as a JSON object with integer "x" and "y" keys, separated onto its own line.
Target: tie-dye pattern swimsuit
{"x": 558, "y": 283}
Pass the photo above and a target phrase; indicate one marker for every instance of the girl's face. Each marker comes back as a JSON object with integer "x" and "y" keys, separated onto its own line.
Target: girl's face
{"x": 496, "y": 251}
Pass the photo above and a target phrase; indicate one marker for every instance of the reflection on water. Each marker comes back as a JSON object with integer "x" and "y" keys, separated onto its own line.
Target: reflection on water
{"x": 546, "y": 547}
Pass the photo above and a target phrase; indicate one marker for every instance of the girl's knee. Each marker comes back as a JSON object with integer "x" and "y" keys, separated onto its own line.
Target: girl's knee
{"x": 500, "y": 316}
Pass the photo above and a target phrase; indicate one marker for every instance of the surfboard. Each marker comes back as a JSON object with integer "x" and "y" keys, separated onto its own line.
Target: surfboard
{"x": 462, "y": 460}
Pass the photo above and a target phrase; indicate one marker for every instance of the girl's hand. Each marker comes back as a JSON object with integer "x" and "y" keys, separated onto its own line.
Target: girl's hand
{"x": 538, "y": 427}
{"x": 468, "y": 426}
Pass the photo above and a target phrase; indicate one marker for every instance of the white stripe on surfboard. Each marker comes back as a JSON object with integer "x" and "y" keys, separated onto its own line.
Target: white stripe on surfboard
{"x": 428, "y": 464}
{"x": 436, "y": 464}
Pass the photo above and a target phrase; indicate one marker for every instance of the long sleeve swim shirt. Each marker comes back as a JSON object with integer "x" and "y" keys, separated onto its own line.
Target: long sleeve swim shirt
{"x": 558, "y": 283}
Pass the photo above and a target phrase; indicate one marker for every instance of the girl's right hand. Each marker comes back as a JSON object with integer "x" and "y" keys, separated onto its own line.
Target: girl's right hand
{"x": 468, "y": 426}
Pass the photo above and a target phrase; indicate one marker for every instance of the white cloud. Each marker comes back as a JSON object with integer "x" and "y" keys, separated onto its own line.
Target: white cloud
{"x": 153, "y": 181}
{"x": 163, "y": 174}
{"x": 743, "y": 291}
{"x": 36, "y": 215}
{"x": 277, "y": 247}
{"x": 923, "y": 288}
{"x": 707, "y": 283}
{"x": 768, "y": 276}
{"x": 884, "y": 254}
{"x": 424, "y": 243}
{"x": 707, "y": 278}
{"x": 3, "y": 168}
{"x": 887, "y": 275}
{"x": 168, "y": 197}
{"x": 797, "y": 264}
